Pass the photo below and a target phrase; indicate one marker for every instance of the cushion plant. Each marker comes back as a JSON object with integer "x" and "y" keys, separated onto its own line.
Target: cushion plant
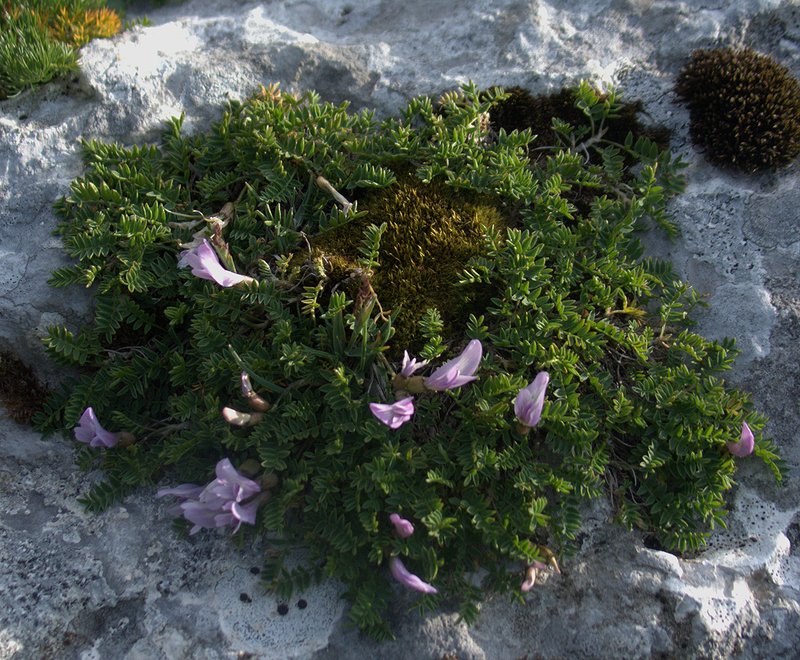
{"x": 248, "y": 284}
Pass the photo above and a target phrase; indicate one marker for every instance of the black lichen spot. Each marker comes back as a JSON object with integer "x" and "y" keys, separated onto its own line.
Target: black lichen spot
{"x": 302, "y": 604}
{"x": 245, "y": 598}
{"x": 283, "y": 609}
{"x": 744, "y": 108}
{"x": 255, "y": 570}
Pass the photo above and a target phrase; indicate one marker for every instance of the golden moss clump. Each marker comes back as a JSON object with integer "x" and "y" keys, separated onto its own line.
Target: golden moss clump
{"x": 73, "y": 23}
{"x": 744, "y": 108}
{"x": 432, "y": 231}
{"x": 79, "y": 27}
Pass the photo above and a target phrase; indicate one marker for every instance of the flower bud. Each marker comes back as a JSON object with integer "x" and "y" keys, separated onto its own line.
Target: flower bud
{"x": 521, "y": 428}
{"x": 269, "y": 481}
{"x": 250, "y": 467}
{"x": 125, "y": 439}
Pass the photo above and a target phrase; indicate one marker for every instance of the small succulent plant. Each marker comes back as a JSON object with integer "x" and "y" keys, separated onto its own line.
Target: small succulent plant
{"x": 745, "y": 108}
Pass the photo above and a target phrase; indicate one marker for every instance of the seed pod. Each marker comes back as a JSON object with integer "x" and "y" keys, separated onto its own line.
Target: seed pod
{"x": 253, "y": 399}
{"x": 238, "y": 418}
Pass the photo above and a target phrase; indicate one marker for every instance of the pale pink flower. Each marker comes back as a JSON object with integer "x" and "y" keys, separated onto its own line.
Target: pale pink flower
{"x": 530, "y": 400}
{"x": 228, "y": 501}
{"x": 410, "y": 366}
{"x": 530, "y": 575}
{"x": 90, "y": 431}
{"x": 458, "y": 371}
{"x": 402, "y": 527}
{"x": 401, "y": 574}
{"x": 745, "y": 445}
{"x": 205, "y": 264}
{"x": 394, "y": 415}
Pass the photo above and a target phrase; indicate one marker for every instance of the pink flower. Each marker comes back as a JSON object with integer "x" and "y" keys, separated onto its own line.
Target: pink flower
{"x": 409, "y": 366}
{"x": 394, "y": 415}
{"x": 402, "y": 527}
{"x": 745, "y": 445}
{"x": 530, "y": 400}
{"x": 458, "y": 371}
{"x": 228, "y": 501}
{"x": 90, "y": 431}
{"x": 205, "y": 264}
{"x": 401, "y": 574}
{"x": 530, "y": 575}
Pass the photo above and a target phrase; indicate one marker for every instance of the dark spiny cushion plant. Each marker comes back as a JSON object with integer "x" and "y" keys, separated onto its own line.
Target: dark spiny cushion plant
{"x": 744, "y": 108}
{"x": 39, "y": 38}
{"x": 275, "y": 359}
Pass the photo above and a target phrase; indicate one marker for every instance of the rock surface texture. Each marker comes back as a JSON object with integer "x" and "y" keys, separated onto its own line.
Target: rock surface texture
{"x": 123, "y": 585}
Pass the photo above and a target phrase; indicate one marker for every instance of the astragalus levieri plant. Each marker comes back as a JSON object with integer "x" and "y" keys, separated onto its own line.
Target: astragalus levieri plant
{"x": 261, "y": 290}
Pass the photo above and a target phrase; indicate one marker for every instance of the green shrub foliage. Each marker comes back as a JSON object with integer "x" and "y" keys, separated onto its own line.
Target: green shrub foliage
{"x": 635, "y": 407}
{"x": 745, "y": 108}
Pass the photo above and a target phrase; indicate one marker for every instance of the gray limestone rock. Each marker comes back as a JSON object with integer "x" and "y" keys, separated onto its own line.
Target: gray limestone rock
{"x": 123, "y": 585}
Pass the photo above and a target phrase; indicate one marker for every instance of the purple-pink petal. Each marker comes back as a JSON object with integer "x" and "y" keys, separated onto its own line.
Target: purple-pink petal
{"x": 84, "y": 432}
{"x": 530, "y": 575}
{"x": 458, "y": 371}
{"x": 222, "y": 503}
{"x": 245, "y": 512}
{"x": 410, "y": 366}
{"x": 205, "y": 264}
{"x": 228, "y": 474}
{"x": 199, "y": 514}
{"x": 403, "y": 576}
{"x": 185, "y": 491}
{"x": 530, "y": 400}
{"x": 394, "y": 415}
{"x": 402, "y": 527}
{"x": 227, "y": 519}
{"x": 90, "y": 431}
{"x": 529, "y": 581}
{"x": 745, "y": 445}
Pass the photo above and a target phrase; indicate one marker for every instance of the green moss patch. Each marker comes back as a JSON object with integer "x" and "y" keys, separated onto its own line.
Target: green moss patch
{"x": 431, "y": 234}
